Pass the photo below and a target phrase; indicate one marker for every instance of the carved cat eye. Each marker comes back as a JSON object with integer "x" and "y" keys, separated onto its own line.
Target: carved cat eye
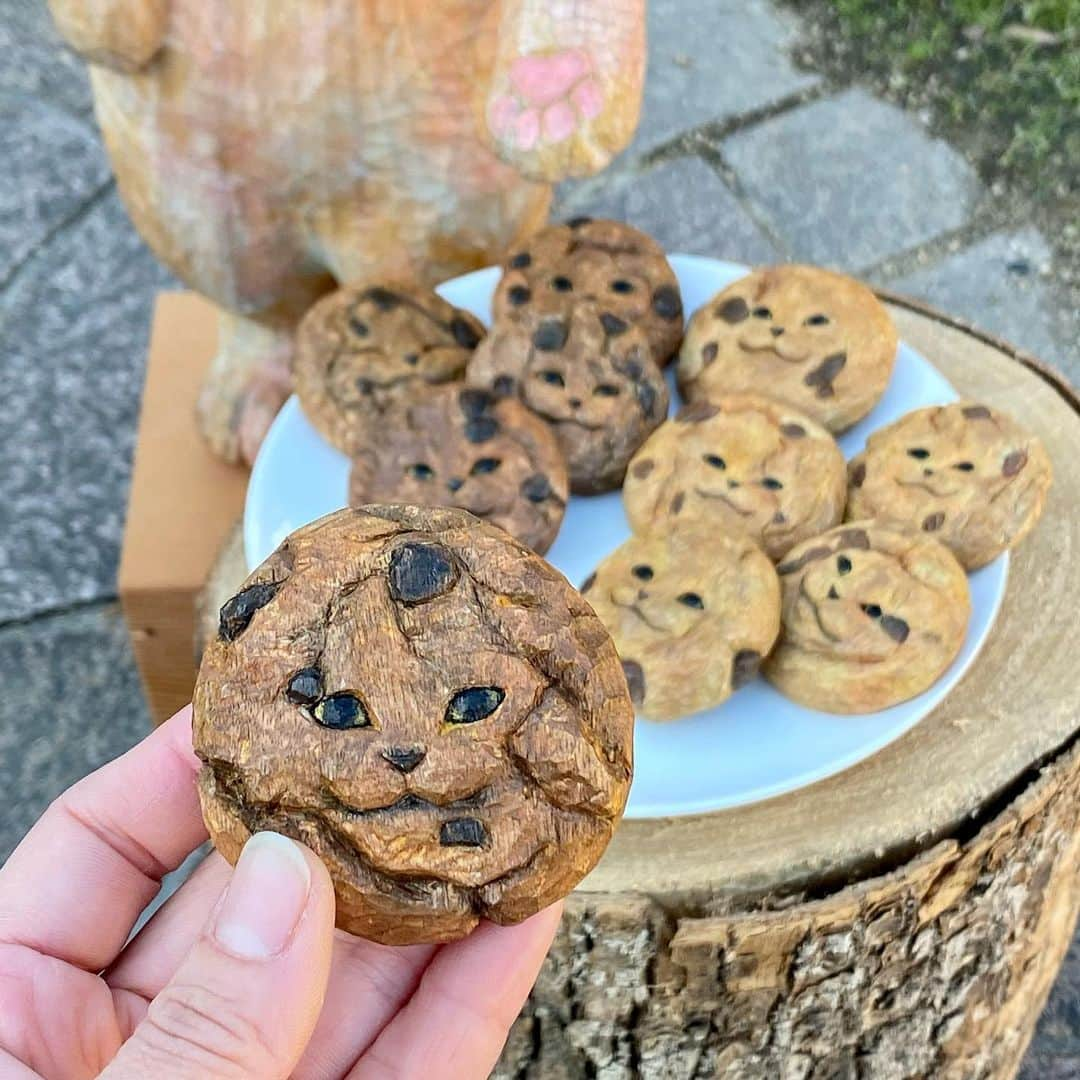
{"x": 643, "y": 572}
{"x": 715, "y": 460}
{"x": 621, "y": 285}
{"x": 761, "y": 313}
{"x": 412, "y": 359}
{"x": 485, "y": 465}
{"x": 843, "y": 564}
{"x": 692, "y": 600}
{"x": 473, "y": 704}
{"x": 341, "y": 711}
{"x": 873, "y": 610}
{"x": 562, "y": 284}
{"x": 421, "y": 471}
{"x": 964, "y": 466}
{"x": 552, "y": 378}
{"x": 771, "y": 483}
{"x": 817, "y": 320}
{"x": 919, "y": 453}
{"x": 519, "y": 295}
{"x": 358, "y": 326}
{"x": 606, "y": 390}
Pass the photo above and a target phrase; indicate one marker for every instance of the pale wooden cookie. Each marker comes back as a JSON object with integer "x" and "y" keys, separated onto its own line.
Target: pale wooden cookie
{"x": 966, "y": 473}
{"x": 819, "y": 341}
{"x": 872, "y": 616}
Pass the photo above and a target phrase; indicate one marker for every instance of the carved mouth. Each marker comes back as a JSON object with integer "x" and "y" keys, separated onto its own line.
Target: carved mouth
{"x": 804, "y": 595}
{"x": 927, "y": 488}
{"x": 724, "y": 499}
{"x": 641, "y": 615}
{"x": 405, "y": 804}
{"x": 772, "y": 347}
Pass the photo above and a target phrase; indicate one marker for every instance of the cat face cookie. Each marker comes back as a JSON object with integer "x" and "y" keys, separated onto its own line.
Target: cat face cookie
{"x": 819, "y": 341}
{"x": 740, "y": 463}
{"x": 608, "y": 263}
{"x": 426, "y": 704}
{"x": 964, "y": 473}
{"x": 872, "y": 616}
{"x": 692, "y": 614}
{"x": 461, "y": 447}
{"x": 364, "y": 349}
{"x": 588, "y": 374}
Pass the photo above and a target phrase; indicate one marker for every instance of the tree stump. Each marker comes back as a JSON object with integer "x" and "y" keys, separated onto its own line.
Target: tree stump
{"x": 903, "y": 919}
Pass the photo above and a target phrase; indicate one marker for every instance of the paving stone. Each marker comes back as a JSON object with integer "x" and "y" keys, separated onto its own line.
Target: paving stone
{"x": 52, "y": 164}
{"x": 36, "y": 63}
{"x": 712, "y": 60}
{"x": 683, "y": 203}
{"x": 848, "y": 180}
{"x": 1002, "y": 284}
{"x": 71, "y": 702}
{"x": 73, "y": 332}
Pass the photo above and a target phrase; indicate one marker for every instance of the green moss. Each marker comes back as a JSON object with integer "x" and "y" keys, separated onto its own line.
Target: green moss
{"x": 1013, "y": 97}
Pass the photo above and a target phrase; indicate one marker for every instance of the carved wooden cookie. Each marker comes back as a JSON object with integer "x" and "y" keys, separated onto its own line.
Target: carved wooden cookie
{"x": 741, "y": 463}
{"x": 820, "y": 341}
{"x": 610, "y": 263}
{"x": 588, "y": 374}
{"x": 366, "y": 348}
{"x": 430, "y": 707}
{"x": 456, "y": 446}
{"x": 966, "y": 473}
{"x": 692, "y": 613}
{"x": 872, "y": 616}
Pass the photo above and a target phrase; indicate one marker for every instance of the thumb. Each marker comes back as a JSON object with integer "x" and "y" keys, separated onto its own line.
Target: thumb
{"x": 245, "y": 1000}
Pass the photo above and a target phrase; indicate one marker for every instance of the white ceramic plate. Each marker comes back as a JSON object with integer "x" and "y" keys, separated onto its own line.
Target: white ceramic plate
{"x": 754, "y": 746}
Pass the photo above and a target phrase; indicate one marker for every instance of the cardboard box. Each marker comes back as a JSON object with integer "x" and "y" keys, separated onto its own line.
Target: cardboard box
{"x": 183, "y": 504}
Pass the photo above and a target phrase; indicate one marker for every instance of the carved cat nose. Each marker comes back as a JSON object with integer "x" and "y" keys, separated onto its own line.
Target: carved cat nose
{"x": 404, "y": 758}
{"x": 733, "y": 483}
{"x": 776, "y": 331}
{"x": 454, "y": 484}
{"x": 574, "y": 403}
{"x": 928, "y": 472}
{"x": 642, "y": 594}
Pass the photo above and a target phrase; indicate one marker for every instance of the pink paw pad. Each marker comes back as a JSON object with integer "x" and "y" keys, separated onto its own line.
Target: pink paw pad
{"x": 551, "y": 95}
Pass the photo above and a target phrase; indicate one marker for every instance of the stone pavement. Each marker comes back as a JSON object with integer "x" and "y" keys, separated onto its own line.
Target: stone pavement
{"x": 739, "y": 154}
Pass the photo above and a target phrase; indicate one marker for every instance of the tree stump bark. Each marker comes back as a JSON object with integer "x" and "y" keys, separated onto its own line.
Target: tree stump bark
{"x": 903, "y": 919}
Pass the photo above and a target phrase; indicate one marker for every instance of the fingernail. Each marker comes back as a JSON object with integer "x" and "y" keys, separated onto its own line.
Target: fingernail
{"x": 265, "y": 898}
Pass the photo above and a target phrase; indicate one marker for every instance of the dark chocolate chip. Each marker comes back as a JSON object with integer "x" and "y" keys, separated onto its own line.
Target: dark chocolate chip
{"x": 521, "y": 260}
{"x": 678, "y": 501}
{"x": 646, "y": 396}
{"x": 633, "y": 370}
{"x": 588, "y": 583}
{"x": 341, "y": 711}
{"x": 976, "y": 412}
{"x": 463, "y": 832}
{"x": 667, "y": 303}
{"x": 305, "y": 687}
{"x": 474, "y": 403}
{"x": 635, "y": 681}
{"x": 238, "y": 612}
{"x": 365, "y": 386}
{"x": 518, "y": 295}
{"x": 465, "y": 334}
{"x": 577, "y": 222}
{"x": 855, "y": 538}
{"x": 823, "y": 376}
{"x": 550, "y": 335}
{"x": 895, "y": 627}
{"x": 793, "y": 431}
{"x": 383, "y": 299}
{"x": 481, "y": 429}
{"x": 733, "y": 311}
{"x": 695, "y": 413}
{"x": 806, "y": 557}
{"x": 1014, "y": 463}
{"x": 858, "y": 475}
{"x": 708, "y": 352}
{"x": 641, "y": 469}
{"x": 536, "y": 488}
{"x": 933, "y": 522}
{"x": 613, "y": 325}
{"x": 503, "y": 386}
{"x": 744, "y": 667}
{"x": 420, "y": 572}
{"x": 358, "y": 326}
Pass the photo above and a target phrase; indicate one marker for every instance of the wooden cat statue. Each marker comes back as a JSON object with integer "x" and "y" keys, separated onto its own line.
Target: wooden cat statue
{"x": 268, "y": 149}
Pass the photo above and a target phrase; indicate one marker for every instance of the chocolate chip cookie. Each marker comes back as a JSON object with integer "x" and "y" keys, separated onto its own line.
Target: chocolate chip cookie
{"x": 872, "y": 616}
{"x": 585, "y": 371}
{"x": 608, "y": 263}
{"x": 426, "y": 704}
{"x": 819, "y": 341}
{"x": 967, "y": 474}
{"x": 366, "y": 348}
{"x": 741, "y": 463}
{"x": 457, "y": 446}
{"x": 692, "y": 613}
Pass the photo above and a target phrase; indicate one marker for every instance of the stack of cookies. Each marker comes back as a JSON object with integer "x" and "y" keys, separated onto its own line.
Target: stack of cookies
{"x": 740, "y": 559}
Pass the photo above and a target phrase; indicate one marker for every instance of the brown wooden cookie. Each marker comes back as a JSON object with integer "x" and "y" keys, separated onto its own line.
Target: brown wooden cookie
{"x": 741, "y": 463}
{"x": 458, "y": 446}
{"x": 965, "y": 473}
{"x": 692, "y": 613}
{"x": 872, "y": 616}
{"x": 366, "y": 348}
{"x": 589, "y": 374}
{"x": 616, "y": 266}
{"x": 430, "y": 707}
{"x": 819, "y": 341}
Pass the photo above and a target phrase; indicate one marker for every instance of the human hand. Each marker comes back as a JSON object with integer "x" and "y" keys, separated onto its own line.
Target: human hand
{"x": 241, "y": 973}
